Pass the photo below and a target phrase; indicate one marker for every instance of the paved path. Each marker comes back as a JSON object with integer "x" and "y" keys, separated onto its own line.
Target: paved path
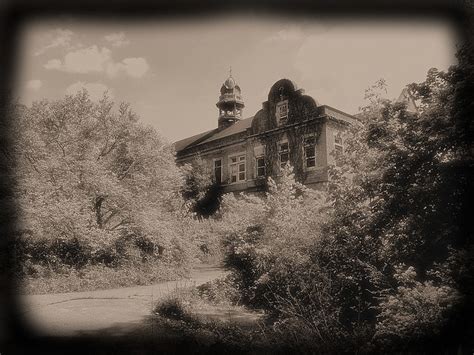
{"x": 118, "y": 310}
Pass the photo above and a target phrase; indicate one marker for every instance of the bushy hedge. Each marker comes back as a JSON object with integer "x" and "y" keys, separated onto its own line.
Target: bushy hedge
{"x": 324, "y": 283}
{"x": 59, "y": 255}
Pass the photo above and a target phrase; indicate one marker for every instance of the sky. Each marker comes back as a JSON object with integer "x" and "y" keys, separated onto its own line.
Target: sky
{"x": 171, "y": 71}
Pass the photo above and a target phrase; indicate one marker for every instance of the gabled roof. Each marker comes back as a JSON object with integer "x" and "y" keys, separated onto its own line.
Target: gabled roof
{"x": 186, "y": 142}
{"x": 237, "y": 127}
{"x": 214, "y": 134}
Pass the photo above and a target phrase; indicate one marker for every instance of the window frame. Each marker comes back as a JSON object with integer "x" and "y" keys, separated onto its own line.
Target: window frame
{"x": 305, "y": 157}
{"x": 257, "y": 176}
{"x": 284, "y": 152}
{"x": 237, "y": 163}
{"x": 338, "y": 135}
{"x": 281, "y": 120}
{"x": 214, "y": 168}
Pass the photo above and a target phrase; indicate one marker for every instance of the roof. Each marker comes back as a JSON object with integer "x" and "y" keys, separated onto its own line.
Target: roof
{"x": 183, "y": 143}
{"x": 237, "y": 127}
{"x": 242, "y": 126}
{"x": 214, "y": 134}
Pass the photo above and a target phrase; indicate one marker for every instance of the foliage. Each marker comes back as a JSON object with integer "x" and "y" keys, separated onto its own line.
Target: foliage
{"x": 416, "y": 312}
{"x": 277, "y": 231}
{"x": 94, "y": 186}
{"x": 293, "y": 134}
{"x": 44, "y": 280}
{"x": 200, "y": 191}
{"x": 174, "y": 306}
{"x": 220, "y": 291}
{"x": 381, "y": 260}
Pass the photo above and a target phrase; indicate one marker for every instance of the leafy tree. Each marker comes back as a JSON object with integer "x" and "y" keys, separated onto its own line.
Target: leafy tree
{"x": 200, "y": 191}
{"x": 400, "y": 199}
{"x": 91, "y": 176}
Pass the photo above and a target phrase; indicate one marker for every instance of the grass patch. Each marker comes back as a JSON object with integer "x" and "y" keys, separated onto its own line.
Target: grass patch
{"x": 210, "y": 316}
{"x": 97, "y": 277}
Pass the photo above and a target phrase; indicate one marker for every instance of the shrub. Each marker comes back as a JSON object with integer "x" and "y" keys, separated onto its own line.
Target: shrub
{"x": 220, "y": 291}
{"x": 415, "y": 312}
{"x": 172, "y": 308}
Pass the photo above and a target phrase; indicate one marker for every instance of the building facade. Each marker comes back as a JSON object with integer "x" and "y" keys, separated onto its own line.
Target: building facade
{"x": 290, "y": 128}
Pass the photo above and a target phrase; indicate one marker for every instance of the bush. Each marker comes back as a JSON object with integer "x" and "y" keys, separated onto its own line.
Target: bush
{"x": 220, "y": 291}
{"x": 172, "y": 308}
{"x": 415, "y": 312}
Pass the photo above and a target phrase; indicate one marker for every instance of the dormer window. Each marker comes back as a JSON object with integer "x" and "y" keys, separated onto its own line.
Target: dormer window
{"x": 282, "y": 112}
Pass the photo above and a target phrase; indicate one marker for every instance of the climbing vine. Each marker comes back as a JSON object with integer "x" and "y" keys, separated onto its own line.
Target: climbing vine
{"x": 295, "y": 136}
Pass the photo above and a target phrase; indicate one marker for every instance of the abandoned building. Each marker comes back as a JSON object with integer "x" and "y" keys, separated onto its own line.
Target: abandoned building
{"x": 290, "y": 128}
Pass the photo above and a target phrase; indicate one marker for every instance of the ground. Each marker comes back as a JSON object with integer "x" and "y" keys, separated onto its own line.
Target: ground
{"x": 114, "y": 311}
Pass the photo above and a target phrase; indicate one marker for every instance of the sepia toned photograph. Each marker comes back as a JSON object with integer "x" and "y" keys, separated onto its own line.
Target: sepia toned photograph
{"x": 240, "y": 182}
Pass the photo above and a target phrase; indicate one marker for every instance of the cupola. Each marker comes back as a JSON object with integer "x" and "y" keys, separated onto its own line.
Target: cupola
{"x": 230, "y": 103}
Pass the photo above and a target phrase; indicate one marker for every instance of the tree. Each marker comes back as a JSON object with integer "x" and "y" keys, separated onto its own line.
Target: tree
{"x": 89, "y": 175}
{"x": 400, "y": 204}
{"x": 200, "y": 191}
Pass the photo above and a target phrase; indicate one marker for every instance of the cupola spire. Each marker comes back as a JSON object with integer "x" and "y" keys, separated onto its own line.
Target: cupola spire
{"x": 230, "y": 103}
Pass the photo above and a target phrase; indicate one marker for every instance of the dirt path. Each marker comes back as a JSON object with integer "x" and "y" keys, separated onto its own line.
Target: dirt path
{"x": 118, "y": 309}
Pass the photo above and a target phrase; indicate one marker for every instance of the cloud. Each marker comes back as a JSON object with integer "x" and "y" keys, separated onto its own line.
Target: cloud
{"x": 117, "y": 39}
{"x": 95, "y": 59}
{"x": 56, "y": 38}
{"x": 34, "y": 84}
{"x": 53, "y": 64}
{"x": 95, "y": 90}
{"x": 85, "y": 60}
{"x": 133, "y": 67}
{"x": 293, "y": 33}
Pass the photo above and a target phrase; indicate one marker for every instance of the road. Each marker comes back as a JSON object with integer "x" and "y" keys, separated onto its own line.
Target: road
{"x": 119, "y": 310}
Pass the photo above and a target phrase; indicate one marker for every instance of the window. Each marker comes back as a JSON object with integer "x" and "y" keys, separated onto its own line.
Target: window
{"x": 260, "y": 167}
{"x": 237, "y": 168}
{"x": 282, "y": 112}
{"x": 218, "y": 170}
{"x": 284, "y": 152}
{"x": 338, "y": 148}
{"x": 309, "y": 147}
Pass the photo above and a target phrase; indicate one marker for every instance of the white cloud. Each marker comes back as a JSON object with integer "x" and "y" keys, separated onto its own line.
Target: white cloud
{"x": 95, "y": 90}
{"x": 133, "y": 67}
{"x": 34, "y": 84}
{"x": 56, "y": 38}
{"x": 293, "y": 33}
{"x": 117, "y": 39}
{"x": 53, "y": 64}
{"x": 95, "y": 59}
{"x": 85, "y": 60}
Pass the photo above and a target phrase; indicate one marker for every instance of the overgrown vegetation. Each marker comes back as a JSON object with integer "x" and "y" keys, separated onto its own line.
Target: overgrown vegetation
{"x": 96, "y": 189}
{"x": 200, "y": 190}
{"x": 382, "y": 259}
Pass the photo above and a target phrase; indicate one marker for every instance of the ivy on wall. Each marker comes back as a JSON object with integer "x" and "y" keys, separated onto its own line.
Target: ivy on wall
{"x": 295, "y": 136}
{"x": 303, "y": 119}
